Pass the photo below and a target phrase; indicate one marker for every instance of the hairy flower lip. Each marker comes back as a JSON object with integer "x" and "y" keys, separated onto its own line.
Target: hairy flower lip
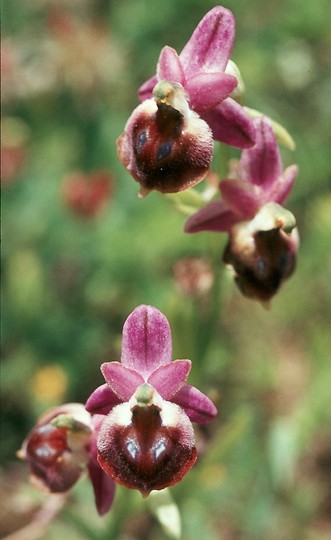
{"x": 166, "y": 146}
{"x": 260, "y": 260}
{"x": 146, "y": 446}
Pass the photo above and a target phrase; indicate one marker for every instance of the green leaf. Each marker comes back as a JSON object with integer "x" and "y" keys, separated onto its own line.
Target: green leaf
{"x": 282, "y": 449}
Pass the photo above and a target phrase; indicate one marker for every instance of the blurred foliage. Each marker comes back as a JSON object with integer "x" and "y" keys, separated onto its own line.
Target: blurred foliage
{"x": 71, "y": 70}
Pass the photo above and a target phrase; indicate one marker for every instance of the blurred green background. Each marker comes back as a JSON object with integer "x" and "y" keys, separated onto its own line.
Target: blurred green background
{"x": 70, "y": 72}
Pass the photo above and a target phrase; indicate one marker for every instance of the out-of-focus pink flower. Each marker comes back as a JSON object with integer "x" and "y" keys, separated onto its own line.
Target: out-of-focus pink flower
{"x": 263, "y": 239}
{"x": 9, "y": 69}
{"x": 146, "y": 441}
{"x": 87, "y": 56}
{"x": 201, "y": 68}
{"x": 193, "y": 276}
{"x": 74, "y": 53}
{"x": 61, "y": 24}
{"x": 13, "y": 149}
{"x": 87, "y": 195}
{"x": 60, "y": 448}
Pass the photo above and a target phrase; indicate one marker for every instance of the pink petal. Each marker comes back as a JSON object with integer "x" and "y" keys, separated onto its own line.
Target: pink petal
{"x": 198, "y": 407}
{"x": 146, "y": 342}
{"x": 146, "y": 89}
{"x": 122, "y": 380}
{"x": 103, "y": 485}
{"x": 211, "y": 43}
{"x": 283, "y": 185}
{"x": 261, "y": 165}
{"x": 241, "y": 197}
{"x": 215, "y": 216}
{"x": 231, "y": 124}
{"x": 168, "y": 379}
{"x": 206, "y": 90}
{"x": 102, "y": 400}
{"x": 169, "y": 67}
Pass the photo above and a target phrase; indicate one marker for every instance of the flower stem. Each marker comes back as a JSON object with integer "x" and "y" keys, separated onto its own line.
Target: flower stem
{"x": 41, "y": 520}
{"x": 223, "y": 157}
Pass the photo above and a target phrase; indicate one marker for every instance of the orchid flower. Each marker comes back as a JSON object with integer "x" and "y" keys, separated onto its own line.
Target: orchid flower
{"x": 60, "y": 447}
{"x": 167, "y": 143}
{"x": 146, "y": 440}
{"x": 263, "y": 239}
{"x": 203, "y": 69}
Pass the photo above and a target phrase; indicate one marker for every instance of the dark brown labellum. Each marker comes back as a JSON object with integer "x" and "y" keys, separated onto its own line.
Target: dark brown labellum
{"x": 164, "y": 149}
{"x": 260, "y": 271}
{"x": 167, "y": 155}
{"x": 145, "y": 454}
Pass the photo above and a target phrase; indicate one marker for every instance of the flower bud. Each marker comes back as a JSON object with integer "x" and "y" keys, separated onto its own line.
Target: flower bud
{"x": 57, "y": 448}
{"x": 146, "y": 443}
{"x": 165, "y": 145}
